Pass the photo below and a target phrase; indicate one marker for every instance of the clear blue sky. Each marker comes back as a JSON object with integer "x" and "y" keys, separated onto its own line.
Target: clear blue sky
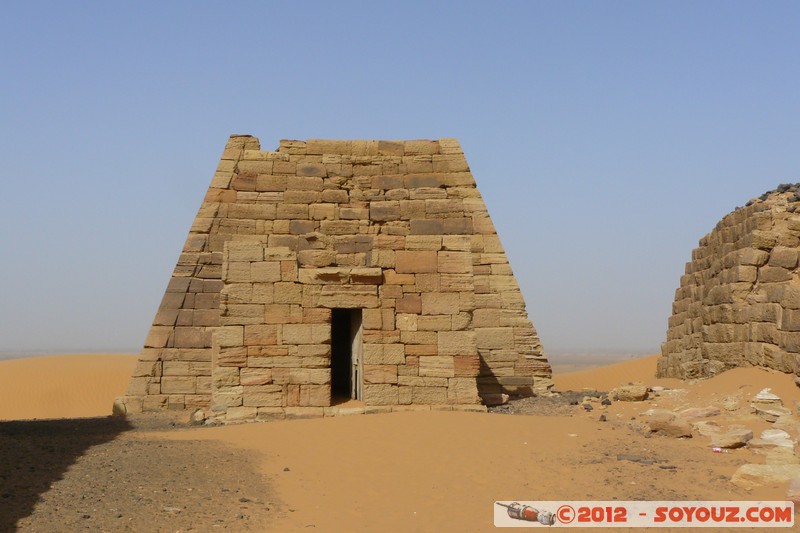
{"x": 606, "y": 138}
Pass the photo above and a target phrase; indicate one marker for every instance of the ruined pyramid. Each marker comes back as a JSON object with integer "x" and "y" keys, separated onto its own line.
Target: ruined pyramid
{"x": 338, "y": 276}
{"x": 738, "y": 303}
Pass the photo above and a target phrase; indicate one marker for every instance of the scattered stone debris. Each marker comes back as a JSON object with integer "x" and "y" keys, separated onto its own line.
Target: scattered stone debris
{"x": 768, "y": 406}
{"x": 770, "y": 439}
{"x": 632, "y": 392}
{"x": 752, "y": 475}
{"x": 667, "y": 423}
{"x": 733, "y": 438}
{"x": 697, "y": 413}
{"x": 560, "y": 403}
{"x": 781, "y": 456}
{"x": 707, "y": 428}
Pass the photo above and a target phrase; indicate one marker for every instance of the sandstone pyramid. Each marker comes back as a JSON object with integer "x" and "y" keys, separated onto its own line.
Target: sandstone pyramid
{"x": 331, "y": 271}
{"x": 739, "y": 302}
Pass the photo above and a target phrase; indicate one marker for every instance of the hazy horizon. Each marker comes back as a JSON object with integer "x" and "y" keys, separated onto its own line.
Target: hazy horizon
{"x": 605, "y": 138}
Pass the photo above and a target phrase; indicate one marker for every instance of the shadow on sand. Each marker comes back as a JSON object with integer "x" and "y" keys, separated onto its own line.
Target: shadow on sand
{"x": 34, "y": 454}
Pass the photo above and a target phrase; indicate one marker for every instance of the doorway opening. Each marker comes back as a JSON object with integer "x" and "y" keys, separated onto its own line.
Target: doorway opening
{"x": 346, "y": 367}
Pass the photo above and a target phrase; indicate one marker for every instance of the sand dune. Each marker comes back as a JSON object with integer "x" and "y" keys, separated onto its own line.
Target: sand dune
{"x": 438, "y": 471}
{"x": 62, "y": 386}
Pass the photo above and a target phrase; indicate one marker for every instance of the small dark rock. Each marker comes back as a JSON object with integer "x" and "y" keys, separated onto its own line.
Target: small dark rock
{"x": 587, "y": 407}
{"x": 286, "y": 469}
{"x": 603, "y": 418}
{"x": 606, "y": 401}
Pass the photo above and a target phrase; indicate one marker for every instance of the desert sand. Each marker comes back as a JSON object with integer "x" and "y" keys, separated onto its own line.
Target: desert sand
{"x": 412, "y": 471}
{"x": 62, "y": 386}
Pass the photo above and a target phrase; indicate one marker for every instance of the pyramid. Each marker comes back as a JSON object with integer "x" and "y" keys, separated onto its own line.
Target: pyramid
{"x": 335, "y": 276}
{"x": 738, "y": 303}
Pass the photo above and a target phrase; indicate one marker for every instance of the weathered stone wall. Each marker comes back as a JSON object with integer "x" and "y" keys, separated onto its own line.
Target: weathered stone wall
{"x": 396, "y": 228}
{"x": 738, "y": 303}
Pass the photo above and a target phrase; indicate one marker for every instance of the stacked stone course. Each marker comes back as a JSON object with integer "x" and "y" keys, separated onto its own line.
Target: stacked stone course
{"x": 738, "y": 303}
{"x": 397, "y": 229}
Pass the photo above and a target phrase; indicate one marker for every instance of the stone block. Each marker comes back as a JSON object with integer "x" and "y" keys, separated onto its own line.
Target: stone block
{"x": 439, "y": 206}
{"x": 455, "y": 262}
{"x": 434, "y": 323}
{"x": 414, "y": 262}
{"x": 456, "y": 343}
{"x": 222, "y": 377}
{"x": 790, "y": 320}
{"x": 725, "y": 333}
{"x": 292, "y": 211}
{"x": 437, "y": 366}
{"x": 422, "y": 180}
{"x": 425, "y": 193}
{"x": 372, "y": 319}
{"x": 440, "y": 303}
{"x": 457, "y": 243}
{"x": 227, "y": 336}
{"x": 301, "y": 227}
{"x": 240, "y": 413}
{"x": 336, "y": 196}
{"x": 409, "y": 303}
{"x": 428, "y": 395}
{"x": 383, "y": 354}
{"x": 339, "y": 227}
{"x": 354, "y": 213}
{"x": 306, "y": 334}
{"x": 364, "y": 275}
{"x": 380, "y": 374}
{"x": 380, "y": 394}
{"x": 462, "y": 391}
{"x": 316, "y": 258}
{"x": 315, "y": 395}
{"x": 255, "y": 376}
{"x": 240, "y": 314}
{"x": 255, "y": 335}
{"x": 466, "y": 365}
{"x": 349, "y": 296}
{"x": 426, "y": 227}
{"x": 406, "y": 322}
{"x": 458, "y": 226}
{"x": 265, "y": 271}
{"x": 494, "y": 338}
{"x": 384, "y": 211}
{"x": 423, "y": 242}
{"x": 178, "y": 385}
{"x": 288, "y": 293}
{"x": 783, "y": 257}
{"x": 269, "y": 183}
{"x": 772, "y": 274}
{"x": 192, "y": 337}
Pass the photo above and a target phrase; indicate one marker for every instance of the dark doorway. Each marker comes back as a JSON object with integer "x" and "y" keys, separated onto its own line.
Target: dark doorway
{"x": 346, "y": 369}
